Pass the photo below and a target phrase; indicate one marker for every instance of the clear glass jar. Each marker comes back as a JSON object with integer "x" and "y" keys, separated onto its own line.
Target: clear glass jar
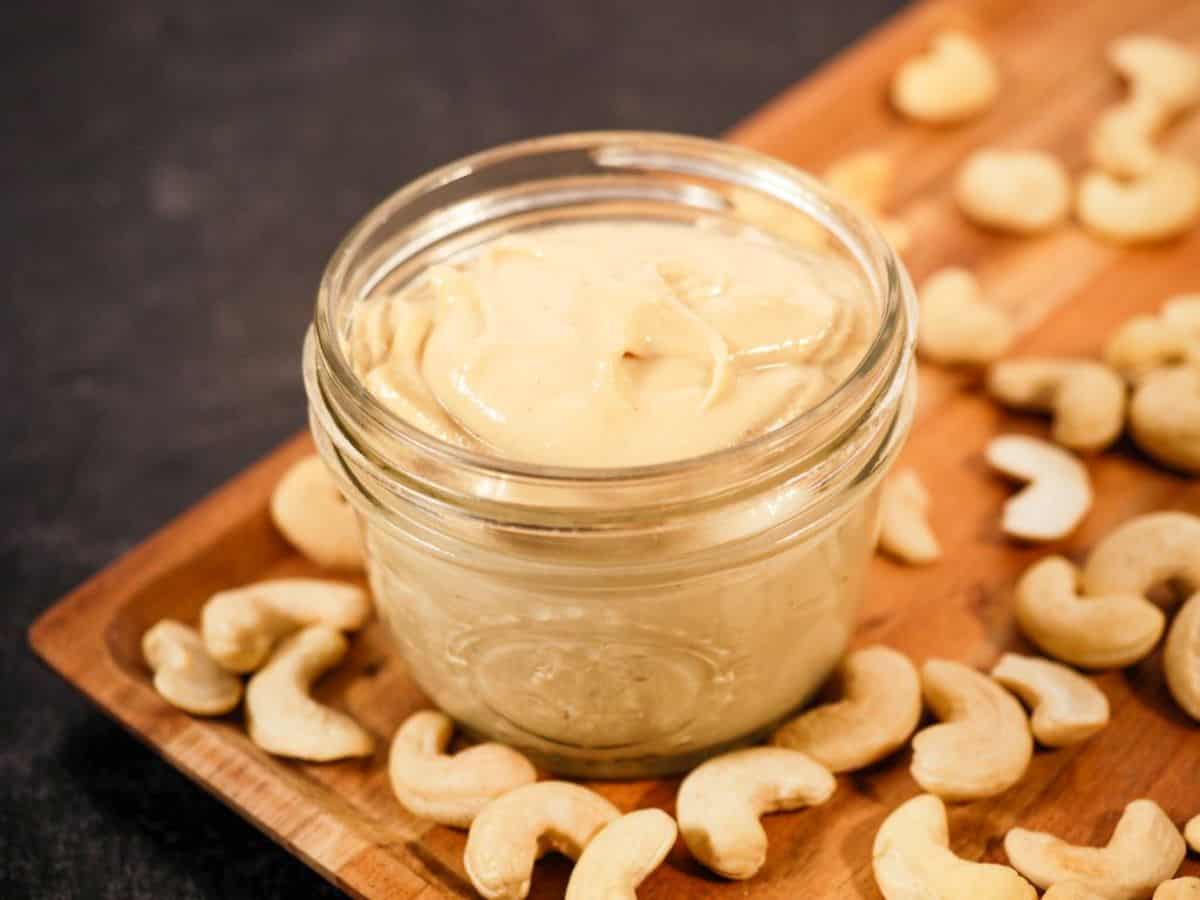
{"x": 614, "y": 622}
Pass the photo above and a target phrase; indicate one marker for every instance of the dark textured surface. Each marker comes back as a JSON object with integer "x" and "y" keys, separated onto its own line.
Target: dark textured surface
{"x": 172, "y": 184}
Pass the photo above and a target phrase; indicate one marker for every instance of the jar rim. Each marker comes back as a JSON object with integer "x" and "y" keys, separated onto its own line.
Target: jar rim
{"x": 624, "y": 150}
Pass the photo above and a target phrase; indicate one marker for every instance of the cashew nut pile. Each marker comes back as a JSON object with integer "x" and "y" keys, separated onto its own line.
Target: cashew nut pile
{"x": 956, "y": 326}
{"x": 1022, "y": 191}
{"x": 1058, "y": 492}
{"x": 954, "y": 80}
{"x": 904, "y": 530}
{"x": 310, "y": 511}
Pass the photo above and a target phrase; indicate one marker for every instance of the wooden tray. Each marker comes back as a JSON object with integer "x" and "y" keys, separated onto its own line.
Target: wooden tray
{"x": 1067, "y": 291}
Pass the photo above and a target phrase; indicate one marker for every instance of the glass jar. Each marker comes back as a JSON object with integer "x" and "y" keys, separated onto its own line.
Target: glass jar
{"x": 615, "y": 622}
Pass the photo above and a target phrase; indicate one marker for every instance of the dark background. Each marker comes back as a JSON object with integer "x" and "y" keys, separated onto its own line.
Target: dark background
{"x": 172, "y": 183}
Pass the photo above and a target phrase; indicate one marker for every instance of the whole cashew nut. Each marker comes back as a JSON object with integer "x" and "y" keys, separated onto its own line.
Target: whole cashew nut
{"x": 620, "y": 857}
{"x": 1164, "y": 417}
{"x": 1086, "y": 398}
{"x": 283, "y": 719}
{"x": 720, "y": 802}
{"x": 878, "y": 712}
{"x": 514, "y": 830}
{"x": 1191, "y": 833}
{"x": 184, "y": 674}
{"x": 1160, "y": 549}
{"x": 241, "y": 626}
{"x": 953, "y": 81}
{"x": 1108, "y": 630}
{"x": 1161, "y": 204}
{"x": 904, "y": 530}
{"x": 1067, "y": 707}
{"x": 1179, "y": 889}
{"x": 1057, "y": 496}
{"x": 1181, "y": 658}
{"x": 913, "y": 861}
{"x": 956, "y": 326}
{"x": 1021, "y": 191}
{"x": 310, "y": 511}
{"x": 1145, "y": 849}
{"x": 450, "y": 790}
{"x": 982, "y": 746}
{"x": 1146, "y": 343}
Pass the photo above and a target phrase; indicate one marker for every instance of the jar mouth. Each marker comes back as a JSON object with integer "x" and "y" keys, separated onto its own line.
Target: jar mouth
{"x": 636, "y": 153}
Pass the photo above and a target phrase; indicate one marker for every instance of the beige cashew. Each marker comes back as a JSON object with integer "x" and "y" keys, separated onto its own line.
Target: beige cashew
{"x": 1067, "y": 707}
{"x": 1086, "y": 398}
{"x": 620, "y": 857}
{"x": 913, "y": 861}
{"x": 1181, "y": 658}
{"x": 1071, "y": 890}
{"x": 1144, "y": 344}
{"x": 1191, "y": 833}
{"x": 1145, "y": 849}
{"x": 310, "y": 511}
{"x": 719, "y": 804}
{"x": 1160, "y": 549}
{"x": 982, "y": 746}
{"x": 1178, "y": 889}
{"x": 1058, "y": 493}
{"x": 904, "y": 530}
{"x": 879, "y": 709}
{"x": 1107, "y": 630}
{"x": 1121, "y": 141}
{"x": 1161, "y": 204}
{"x": 1164, "y": 417}
{"x": 956, "y": 326}
{"x": 953, "y": 81}
{"x": 241, "y": 626}
{"x": 514, "y": 830}
{"x": 1022, "y": 191}
{"x": 283, "y": 719}
{"x": 866, "y": 178}
{"x": 184, "y": 674}
{"x": 1159, "y": 68}
{"x": 450, "y": 790}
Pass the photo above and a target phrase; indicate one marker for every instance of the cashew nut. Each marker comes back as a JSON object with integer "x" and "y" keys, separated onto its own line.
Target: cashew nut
{"x": 953, "y": 81}
{"x": 1191, "y": 833}
{"x": 1162, "y": 203}
{"x": 514, "y": 830}
{"x": 450, "y": 790}
{"x": 881, "y": 707}
{"x": 956, "y": 326}
{"x": 240, "y": 626}
{"x": 866, "y": 178}
{"x": 1160, "y": 549}
{"x": 1144, "y": 343}
{"x": 720, "y": 801}
{"x": 620, "y": 857}
{"x": 1058, "y": 494}
{"x": 1067, "y": 707}
{"x": 913, "y": 861}
{"x": 1022, "y": 191}
{"x": 1181, "y": 659}
{"x": 283, "y": 719}
{"x": 1179, "y": 889}
{"x": 310, "y": 511}
{"x": 1145, "y": 849}
{"x": 1108, "y": 630}
{"x": 904, "y": 530}
{"x": 184, "y": 674}
{"x": 1164, "y": 417}
{"x": 1159, "y": 68}
{"x": 1121, "y": 141}
{"x": 1086, "y": 398}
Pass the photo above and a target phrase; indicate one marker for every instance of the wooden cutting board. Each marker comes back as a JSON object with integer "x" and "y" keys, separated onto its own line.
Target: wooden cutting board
{"x": 1067, "y": 291}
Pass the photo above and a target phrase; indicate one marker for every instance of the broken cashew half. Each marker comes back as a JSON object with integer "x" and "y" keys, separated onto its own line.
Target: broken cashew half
{"x": 514, "y": 830}
{"x": 1067, "y": 707}
{"x": 1155, "y": 550}
{"x": 982, "y": 746}
{"x": 1161, "y": 204}
{"x": 1144, "y": 344}
{"x": 620, "y": 857}
{"x": 913, "y": 861}
{"x": 1057, "y": 496}
{"x": 904, "y": 530}
{"x": 880, "y": 709}
{"x": 184, "y": 674}
{"x": 1021, "y": 191}
{"x": 1164, "y": 417}
{"x": 955, "y": 80}
{"x": 241, "y": 626}
{"x": 1086, "y": 398}
{"x": 956, "y": 326}
{"x": 866, "y": 178}
{"x": 310, "y": 511}
{"x": 1179, "y": 889}
{"x": 1108, "y": 630}
{"x": 450, "y": 790}
{"x": 283, "y": 719}
{"x": 720, "y": 802}
{"x": 1181, "y": 658}
{"x": 1191, "y": 833}
{"x": 1145, "y": 849}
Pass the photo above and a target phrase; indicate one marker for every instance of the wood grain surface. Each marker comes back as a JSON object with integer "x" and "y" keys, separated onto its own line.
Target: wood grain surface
{"x": 1067, "y": 291}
